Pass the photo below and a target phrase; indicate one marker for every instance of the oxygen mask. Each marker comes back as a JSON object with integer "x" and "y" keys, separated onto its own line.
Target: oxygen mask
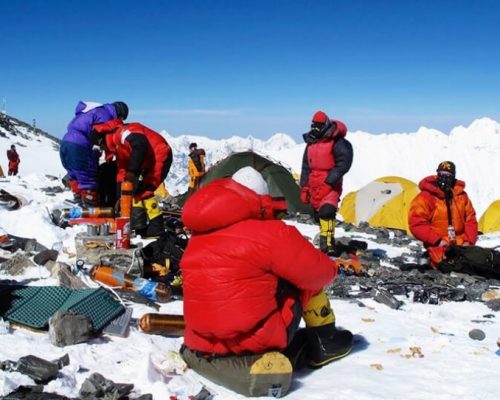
{"x": 445, "y": 181}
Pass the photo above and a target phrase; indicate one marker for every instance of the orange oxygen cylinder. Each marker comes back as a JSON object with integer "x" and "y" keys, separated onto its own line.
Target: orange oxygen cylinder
{"x": 93, "y": 212}
{"x": 156, "y": 291}
{"x": 126, "y": 198}
{"x": 163, "y": 324}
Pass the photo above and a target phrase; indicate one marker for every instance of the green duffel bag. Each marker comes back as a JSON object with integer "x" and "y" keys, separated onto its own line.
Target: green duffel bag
{"x": 268, "y": 374}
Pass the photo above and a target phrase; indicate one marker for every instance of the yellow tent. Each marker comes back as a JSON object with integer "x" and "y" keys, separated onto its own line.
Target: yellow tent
{"x": 490, "y": 220}
{"x": 384, "y": 202}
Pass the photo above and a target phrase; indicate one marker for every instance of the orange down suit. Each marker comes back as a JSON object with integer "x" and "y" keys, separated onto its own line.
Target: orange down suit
{"x": 428, "y": 217}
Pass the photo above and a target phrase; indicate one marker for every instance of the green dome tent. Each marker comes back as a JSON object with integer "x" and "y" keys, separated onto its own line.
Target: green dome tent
{"x": 279, "y": 179}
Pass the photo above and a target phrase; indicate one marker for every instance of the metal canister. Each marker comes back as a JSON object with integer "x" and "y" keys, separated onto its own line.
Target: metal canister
{"x": 163, "y": 324}
{"x": 104, "y": 229}
{"x": 92, "y": 230}
{"x": 122, "y": 233}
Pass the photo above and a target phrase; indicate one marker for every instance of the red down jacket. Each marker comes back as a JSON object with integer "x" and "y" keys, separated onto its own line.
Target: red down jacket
{"x": 153, "y": 160}
{"x": 231, "y": 269}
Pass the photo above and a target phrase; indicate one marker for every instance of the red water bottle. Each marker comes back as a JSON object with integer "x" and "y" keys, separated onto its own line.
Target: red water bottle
{"x": 122, "y": 233}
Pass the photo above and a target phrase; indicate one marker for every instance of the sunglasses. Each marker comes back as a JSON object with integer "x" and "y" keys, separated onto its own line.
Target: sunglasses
{"x": 317, "y": 127}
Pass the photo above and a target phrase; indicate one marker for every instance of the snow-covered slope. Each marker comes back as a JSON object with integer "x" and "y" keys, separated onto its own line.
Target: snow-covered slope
{"x": 418, "y": 352}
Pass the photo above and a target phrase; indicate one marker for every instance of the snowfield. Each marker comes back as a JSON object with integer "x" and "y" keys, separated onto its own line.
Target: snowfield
{"x": 420, "y": 351}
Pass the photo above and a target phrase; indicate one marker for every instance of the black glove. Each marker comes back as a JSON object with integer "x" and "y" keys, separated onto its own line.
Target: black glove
{"x": 96, "y": 139}
{"x": 136, "y": 180}
{"x": 452, "y": 252}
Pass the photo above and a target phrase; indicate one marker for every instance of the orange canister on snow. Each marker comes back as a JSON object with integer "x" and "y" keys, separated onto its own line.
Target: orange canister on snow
{"x": 110, "y": 276}
{"x": 126, "y": 198}
{"x": 156, "y": 291}
{"x": 163, "y": 324}
{"x": 93, "y": 212}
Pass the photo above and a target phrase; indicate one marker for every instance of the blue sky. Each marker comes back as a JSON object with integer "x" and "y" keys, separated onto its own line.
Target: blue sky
{"x": 219, "y": 68}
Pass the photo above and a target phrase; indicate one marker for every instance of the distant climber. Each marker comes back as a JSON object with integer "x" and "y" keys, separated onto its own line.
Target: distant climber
{"x": 327, "y": 158}
{"x": 14, "y": 160}
{"x": 196, "y": 166}
{"x": 78, "y": 157}
{"x": 143, "y": 157}
{"x": 248, "y": 280}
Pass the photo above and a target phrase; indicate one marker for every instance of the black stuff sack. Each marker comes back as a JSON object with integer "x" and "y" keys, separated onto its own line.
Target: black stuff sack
{"x": 473, "y": 260}
{"x": 163, "y": 256}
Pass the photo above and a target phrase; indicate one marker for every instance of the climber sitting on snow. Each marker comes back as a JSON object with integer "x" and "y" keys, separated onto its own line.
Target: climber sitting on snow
{"x": 248, "y": 280}
{"x": 442, "y": 215}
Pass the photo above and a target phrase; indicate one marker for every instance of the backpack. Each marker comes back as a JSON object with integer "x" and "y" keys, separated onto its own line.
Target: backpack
{"x": 166, "y": 251}
{"x": 472, "y": 260}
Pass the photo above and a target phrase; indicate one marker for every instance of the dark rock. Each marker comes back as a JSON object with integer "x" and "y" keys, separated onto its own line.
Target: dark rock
{"x": 33, "y": 393}
{"x": 66, "y": 328}
{"x": 97, "y": 386}
{"x": 38, "y": 369}
{"x": 493, "y": 304}
{"x": 476, "y": 334}
{"x": 44, "y": 256}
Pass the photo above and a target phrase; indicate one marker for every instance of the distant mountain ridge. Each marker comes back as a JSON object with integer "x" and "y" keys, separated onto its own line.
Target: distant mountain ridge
{"x": 16, "y": 127}
{"x": 475, "y": 149}
{"x": 217, "y": 150}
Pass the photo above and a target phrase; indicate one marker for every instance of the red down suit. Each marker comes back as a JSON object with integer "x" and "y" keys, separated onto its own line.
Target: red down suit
{"x": 326, "y": 160}
{"x": 231, "y": 268}
{"x": 150, "y": 158}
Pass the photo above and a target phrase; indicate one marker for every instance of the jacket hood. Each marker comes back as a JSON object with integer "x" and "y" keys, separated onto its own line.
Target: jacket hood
{"x": 108, "y": 127}
{"x": 86, "y": 106}
{"x": 224, "y": 202}
{"x": 337, "y": 130}
{"x": 429, "y": 184}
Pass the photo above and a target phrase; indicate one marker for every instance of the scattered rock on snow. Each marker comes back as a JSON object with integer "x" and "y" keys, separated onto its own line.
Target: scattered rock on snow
{"x": 16, "y": 264}
{"x": 67, "y": 328}
{"x": 97, "y": 386}
{"x": 493, "y": 304}
{"x": 476, "y": 334}
{"x": 62, "y": 272}
{"x": 45, "y": 255}
{"x": 491, "y": 294}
